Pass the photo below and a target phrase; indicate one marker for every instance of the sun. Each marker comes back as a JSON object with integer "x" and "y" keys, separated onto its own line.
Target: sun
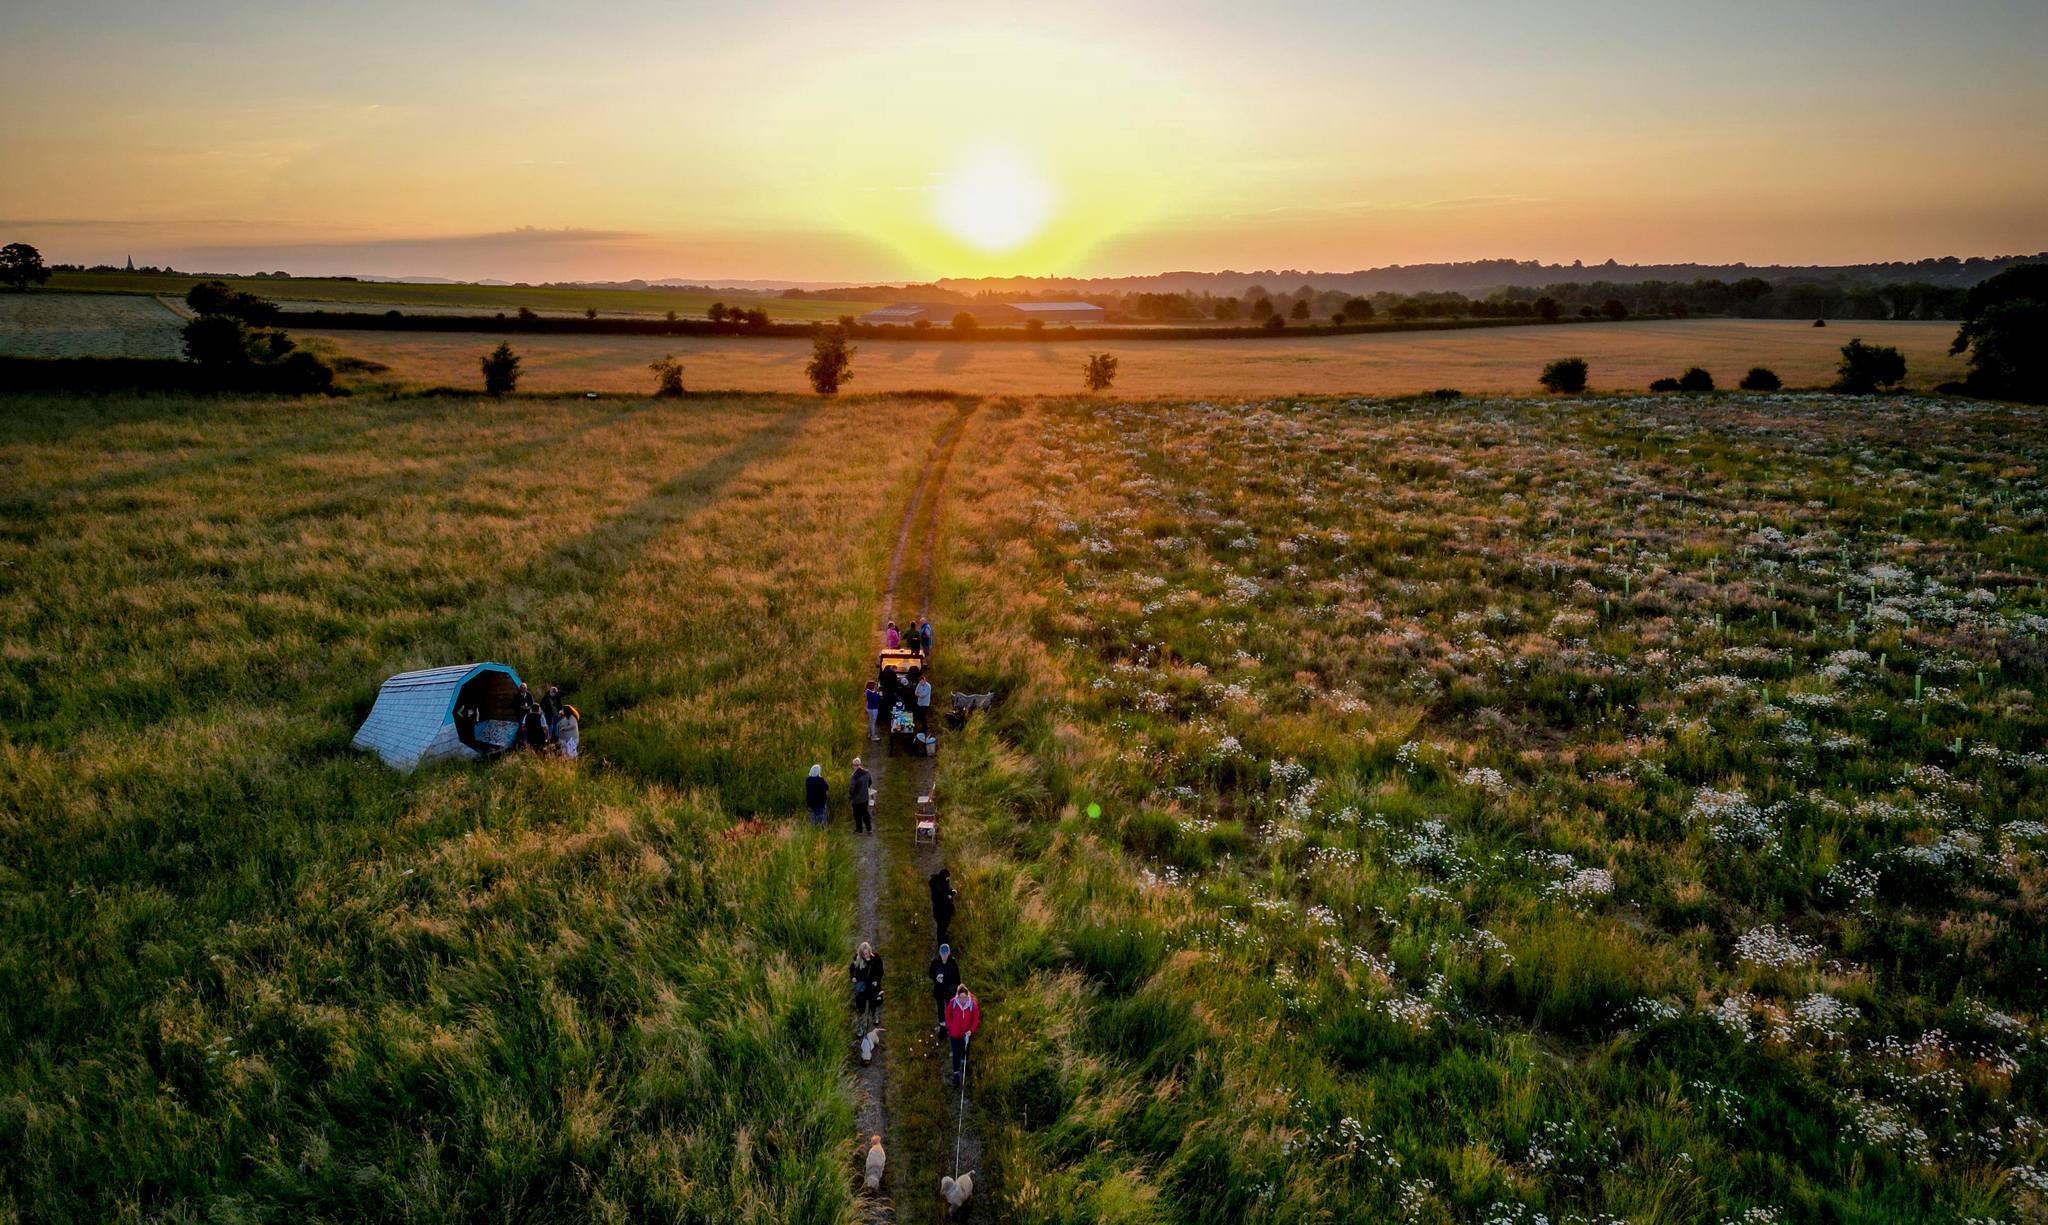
{"x": 993, "y": 200}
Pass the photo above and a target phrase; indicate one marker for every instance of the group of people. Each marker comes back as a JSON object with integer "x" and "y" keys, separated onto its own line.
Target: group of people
{"x": 860, "y": 797}
{"x": 959, "y": 1013}
{"x": 900, "y": 704}
{"x": 917, "y": 638}
{"x": 545, "y": 724}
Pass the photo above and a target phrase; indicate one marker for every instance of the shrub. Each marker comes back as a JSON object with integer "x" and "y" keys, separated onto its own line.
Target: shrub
{"x": 1760, "y": 378}
{"x": 1357, "y": 310}
{"x": 1034, "y": 326}
{"x": 1547, "y": 309}
{"x": 717, "y": 312}
{"x": 501, "y": 369}
{"x": 1100, "y": 372}
{"x": 831, "y": 361}
{"x": 1299, "y": 310}
{"x": 1664, "y": 385}
{"x": 1613, "y": 309}
{"x": 965, "y": 323}
{"x": 1868, "y": 368}
{"x": 220, "y": 341}
{"x": 1820, "y": 323}
{"x": 1446, "y": 393}
{"x": 216, "y": 298}
{"x": 527, "y": 312}
{"x": 1565, "y": 375}
{"x": 1274, "y": 323}
{"x": 1695, "y": 379}
{"x": 668, "y": 376}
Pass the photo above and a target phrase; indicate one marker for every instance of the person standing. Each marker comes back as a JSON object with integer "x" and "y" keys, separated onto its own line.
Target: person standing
{"x": 941, "y": 886}
{"x": 963, "y": 1020}
{"x": 944, "y": 973}
{"x": 867, "y": 982}
{"x": 923, "y": 693}
{"x": 860, "y": 793}
{"x": 816, "y": 793}
{"x": 924, "y": 631}
{"x": 892, "y": 637}
{"x": 533, "y": 728}
{"x": 569, "y": 733}
{"x": 874, "y": 700}
{"x": 551, "y": 709}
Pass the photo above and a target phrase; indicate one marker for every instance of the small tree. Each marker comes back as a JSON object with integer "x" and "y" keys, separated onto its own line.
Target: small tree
{"x": 1868, "y": 368}
{"x": 1100, "y": 371}
{"x": 756, "y": 318}
{"x": 965, "y": 323}
{"x": 1565, "y": 376}
{"x": 1761, "y": 378}
{"x": 831, "y": 361}
{"x": 1227, "y": 310}
{"x": 21, "y": 266}
{"x": 1547, "y": 309}
{"x": 590, "y": 312}
{"x": 1299, "y": 310}
{"x": 1034, "y": 326}
{"x": 1695, "y": 379}
{"x": 671, "y": 316}
{"x": 1663, "y": 384}
{"x": 2005, "y": 328}
{"x": 1274, "y": 322}
{"x": 1613, "y": 309}
{"x": 216, "y": 298}
{"x": 717, "y": 312}
{"x": 501, "y": 369}
{"x": 1357, "y": 310}
{"x": 668, "y": 376}
{"x": 527, "y": 314}
{"x": 220, "y": 341}
{"x": 1262, "y": 308}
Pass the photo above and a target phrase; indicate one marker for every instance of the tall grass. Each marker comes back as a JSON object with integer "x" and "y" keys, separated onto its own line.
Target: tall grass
{"x": 251, "y": 974}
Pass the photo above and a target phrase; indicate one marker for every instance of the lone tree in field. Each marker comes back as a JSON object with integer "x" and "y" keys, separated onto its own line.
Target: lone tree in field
{"x": 21, "y": 266}
{"x": 965, "y": 323}
{"x": 1565, "y": 376}
{"x": 2005, "y": 328}
{"x": 501, "y": 369}
{"x": 1547, "y": 309}
{"x": 1868, "y": 368}
{"x": 1695, "y": 379}
{"x": 1761, "y": 378}
{"x": 831, "y": 361}
{"x": 1100, "y": 371}
{"x": 668, "y": 376}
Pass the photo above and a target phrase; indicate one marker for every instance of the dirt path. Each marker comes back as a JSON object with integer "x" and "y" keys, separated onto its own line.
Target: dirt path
{"x": 898, "y": 781}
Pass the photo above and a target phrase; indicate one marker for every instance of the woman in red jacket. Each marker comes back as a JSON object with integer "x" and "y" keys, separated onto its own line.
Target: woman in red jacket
{"x": 963, "y": 1018}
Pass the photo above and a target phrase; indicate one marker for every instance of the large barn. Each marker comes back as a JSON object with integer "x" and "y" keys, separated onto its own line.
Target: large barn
{"x": 1061, "y": 312}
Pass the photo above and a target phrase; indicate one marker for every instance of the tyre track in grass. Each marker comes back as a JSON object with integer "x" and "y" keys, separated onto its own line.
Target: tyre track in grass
{"x": 898, "y": 781}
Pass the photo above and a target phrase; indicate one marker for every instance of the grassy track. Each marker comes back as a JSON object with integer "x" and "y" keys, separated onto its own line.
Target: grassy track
{"x": 1627, "y": 355}
{"x": 249, "y": 972}
{"x": 1613, "y": 811}
{"x": 383, "y": 295}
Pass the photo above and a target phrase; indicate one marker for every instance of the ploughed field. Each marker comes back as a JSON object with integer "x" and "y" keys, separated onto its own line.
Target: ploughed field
{"x": 1505, "y": 359}
{"x": 249, "y": 973}
{"x": 1620, "y": 810}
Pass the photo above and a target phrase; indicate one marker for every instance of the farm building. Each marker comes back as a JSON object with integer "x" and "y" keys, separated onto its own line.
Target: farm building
{"x": 1061, "y": 312}
{"x": 413, "y": 720}
{"x": 940, "y": 314}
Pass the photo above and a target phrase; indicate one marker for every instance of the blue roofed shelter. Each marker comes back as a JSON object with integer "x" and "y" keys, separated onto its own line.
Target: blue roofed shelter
{"x": 413, "y": 720}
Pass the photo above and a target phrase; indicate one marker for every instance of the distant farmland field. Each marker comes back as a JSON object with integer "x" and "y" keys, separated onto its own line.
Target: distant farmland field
{"x": 316, "y": 293}
{"x": 82, "y": 325}
{"x": 1622, "y": 356}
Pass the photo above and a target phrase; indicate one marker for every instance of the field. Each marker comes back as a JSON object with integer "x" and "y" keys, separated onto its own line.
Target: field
{"x": 1625, "y": 810}
{"x": 1622, "y": 356}
{"x": 250, "y": 974}
{"x": 318, "y": 293}
{"x": 1606, "y": 809}
{"x": 47, "y": 324}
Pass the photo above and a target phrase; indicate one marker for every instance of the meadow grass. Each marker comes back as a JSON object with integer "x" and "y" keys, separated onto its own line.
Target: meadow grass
{"x": 323, "y": 293}
{"x": 1623, "y": 809}
{"x": 252, "y": 974}
{"x": 1622, "y": 355}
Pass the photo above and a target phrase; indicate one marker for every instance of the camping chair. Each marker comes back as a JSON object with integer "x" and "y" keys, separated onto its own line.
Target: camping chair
{"x": 927, "y": 822}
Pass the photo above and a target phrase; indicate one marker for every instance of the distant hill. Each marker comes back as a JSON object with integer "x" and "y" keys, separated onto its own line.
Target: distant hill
{"x": 1485, "y": 276}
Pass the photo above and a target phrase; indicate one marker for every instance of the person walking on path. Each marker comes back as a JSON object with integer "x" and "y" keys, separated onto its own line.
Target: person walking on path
{"x": 893, "y": 637}
{"x": 944, "y": 972}
{"x": 816, "y": 793}
{"x": 860, "y": 793}
{"x": 874, "y": 700}
{"x": 924, "y": 632}
{"x": 867, "y": 982}
{"x": 924, "y": 703}
{"x": 963, "y": 1019}
{"x": 941, "y": 885}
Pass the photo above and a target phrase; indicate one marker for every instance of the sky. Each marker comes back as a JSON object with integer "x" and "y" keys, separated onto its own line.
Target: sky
{"x": 882, "y": 141}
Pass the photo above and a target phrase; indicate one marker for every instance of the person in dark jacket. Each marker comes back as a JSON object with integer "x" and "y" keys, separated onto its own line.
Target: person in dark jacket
{"x": 867, "y": 982}
{"x": 944, "y": 973}
{"x": 816, "y": 793}
{"x": 859, "y": 794}
{"x": 533, "y": 728}
{"x": 941, "y": 885}
{"x": 551, "y": 708}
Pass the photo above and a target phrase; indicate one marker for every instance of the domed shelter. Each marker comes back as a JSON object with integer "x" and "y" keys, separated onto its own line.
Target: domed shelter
{"x": 413, "y": 722}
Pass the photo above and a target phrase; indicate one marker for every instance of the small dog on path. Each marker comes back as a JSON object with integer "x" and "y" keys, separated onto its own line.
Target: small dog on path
{"x": 868, "y": 1042}
{"x": 957, "y": 1191}
{"x": 876, "y": 1159}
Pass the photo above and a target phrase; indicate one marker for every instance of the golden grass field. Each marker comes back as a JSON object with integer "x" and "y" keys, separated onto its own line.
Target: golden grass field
{"x": 1622, "y": 355}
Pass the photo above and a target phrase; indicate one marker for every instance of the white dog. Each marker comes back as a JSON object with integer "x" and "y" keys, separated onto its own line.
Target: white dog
{"x": 868, "y": 1042}
{"x": 957, "y": 1191}
{"x": 876, "y": 1158}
